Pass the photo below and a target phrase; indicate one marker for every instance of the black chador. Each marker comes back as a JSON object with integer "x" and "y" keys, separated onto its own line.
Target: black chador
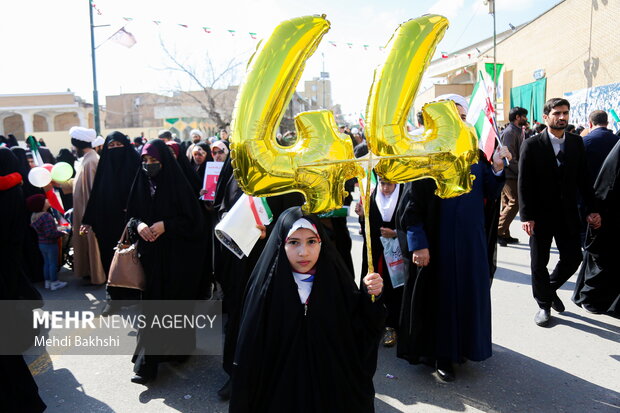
{"x": 314, "y": 357}
{"x": 231, "y": 272}
{"x": 386, "y": 218}
{"x": 107, "y": 204}
{"x": 598, "y": 284}
{"x": 18, "y": 390}
{"x": 170, "y": 261}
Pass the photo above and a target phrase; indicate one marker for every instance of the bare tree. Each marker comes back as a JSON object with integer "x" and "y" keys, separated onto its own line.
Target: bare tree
{"x": 210, "y": 99}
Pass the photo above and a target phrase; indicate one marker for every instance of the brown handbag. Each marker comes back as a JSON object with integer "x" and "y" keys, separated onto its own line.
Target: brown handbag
{"x": 126, "y": 269}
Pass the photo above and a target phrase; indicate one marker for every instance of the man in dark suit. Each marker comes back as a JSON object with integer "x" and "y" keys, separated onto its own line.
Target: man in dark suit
{"x": 552, "y": 175}
{"x": 599, "y": 142}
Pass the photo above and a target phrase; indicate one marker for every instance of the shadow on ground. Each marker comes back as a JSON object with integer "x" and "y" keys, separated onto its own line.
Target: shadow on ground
{"x": 507, "y": 382}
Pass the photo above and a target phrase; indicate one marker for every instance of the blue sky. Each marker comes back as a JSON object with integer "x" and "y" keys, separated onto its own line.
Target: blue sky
{"x": 49, "y": 46}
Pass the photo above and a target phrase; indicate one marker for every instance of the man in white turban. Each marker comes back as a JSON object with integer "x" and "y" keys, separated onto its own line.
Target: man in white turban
{"x": 98, "y": 144}
{"x": 196, "y": 136}
{"x": 461, "y": 103}
{"x": 86, "y": 259}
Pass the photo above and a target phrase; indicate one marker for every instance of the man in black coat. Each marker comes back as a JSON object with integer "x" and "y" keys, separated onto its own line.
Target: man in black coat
{"x": 552, "y": 175}
{"x": 599, "y": 142}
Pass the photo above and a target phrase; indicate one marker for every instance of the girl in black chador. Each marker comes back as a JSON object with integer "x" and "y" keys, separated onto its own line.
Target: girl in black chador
{"x": 308, "y": 337}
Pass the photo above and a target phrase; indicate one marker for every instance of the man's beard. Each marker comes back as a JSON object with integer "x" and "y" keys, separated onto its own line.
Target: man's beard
{"x": 197, "y": 140}
{"x": 557, "y": 126}
{"x": 79, "y": 152}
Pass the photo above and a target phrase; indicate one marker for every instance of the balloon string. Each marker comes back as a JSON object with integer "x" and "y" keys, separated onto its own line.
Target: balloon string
{"x": 366, "y": 204}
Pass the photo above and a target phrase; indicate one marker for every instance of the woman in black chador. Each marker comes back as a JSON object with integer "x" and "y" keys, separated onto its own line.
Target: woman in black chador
{"x": 18, "y": 390}
{"x": 32, "y": 258}
{"x": 165, "y": 214}
{"x": 597, "y": 289}
{"x": 308, "y": 336}
{"x": 382, "y": 218}
{"x": 107, "y": 204}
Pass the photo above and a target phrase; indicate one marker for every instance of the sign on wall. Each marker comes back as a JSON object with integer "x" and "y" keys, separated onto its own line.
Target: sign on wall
{"x": 585, "y": 101}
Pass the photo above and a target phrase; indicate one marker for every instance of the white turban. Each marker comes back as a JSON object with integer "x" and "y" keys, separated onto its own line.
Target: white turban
{"x": 83, "y": 134}
{"x": 458, "y": 99}
{"x": 98, "y": 142}
{"x": 196, "y": 132}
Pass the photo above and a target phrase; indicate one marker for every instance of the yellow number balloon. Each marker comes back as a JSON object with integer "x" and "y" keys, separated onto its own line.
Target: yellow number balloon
{"x": 262, "y": 167}
{"x": 448, "y": 146}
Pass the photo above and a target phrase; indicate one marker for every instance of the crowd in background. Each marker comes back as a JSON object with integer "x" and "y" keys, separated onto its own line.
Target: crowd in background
{"x": 436, "y": 310}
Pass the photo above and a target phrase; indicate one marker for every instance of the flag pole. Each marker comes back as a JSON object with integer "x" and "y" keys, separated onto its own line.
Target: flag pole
{"x": 94, "y": 64}
{"x": 486, "y": 92}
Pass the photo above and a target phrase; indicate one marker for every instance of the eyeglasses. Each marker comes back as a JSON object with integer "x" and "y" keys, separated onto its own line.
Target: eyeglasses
{"x": 217, "y": 152}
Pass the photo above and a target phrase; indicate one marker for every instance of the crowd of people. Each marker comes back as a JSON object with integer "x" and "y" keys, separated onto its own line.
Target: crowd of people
{"x": 301, "y": 334}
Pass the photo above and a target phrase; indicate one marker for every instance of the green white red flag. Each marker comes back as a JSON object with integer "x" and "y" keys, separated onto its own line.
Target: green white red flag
{"x": 34, "y": 148}
{"x": 481, "y": 114}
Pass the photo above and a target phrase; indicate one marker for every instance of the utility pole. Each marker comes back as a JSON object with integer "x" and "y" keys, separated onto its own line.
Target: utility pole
{"x": 92, "y": 54}
{"x": 491, "y": 4}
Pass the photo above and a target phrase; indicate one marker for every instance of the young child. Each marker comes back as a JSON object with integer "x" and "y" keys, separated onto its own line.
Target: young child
{"x": 308, "y": 336}
{"x": 43, "y": 222}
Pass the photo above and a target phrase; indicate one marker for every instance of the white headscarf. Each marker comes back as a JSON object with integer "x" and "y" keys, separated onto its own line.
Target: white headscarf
{"x": 221, "y": 145}
{"x": 83, "y": 134}
{"x": 387, "y": 204}
{"x": 303, "y": 223}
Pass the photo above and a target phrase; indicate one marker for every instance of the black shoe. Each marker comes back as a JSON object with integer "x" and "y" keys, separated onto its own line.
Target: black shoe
{"x": 557, "y": 304}
{"x": 511, "y": 240}
{"x": 141, "y": 379}
{"x": 542, "y": 317}
{"x": 502, "y": 241}
{"x": 225, "y": 391}
{"x": 445, "y": 370}
{"x": 591, "y": 309}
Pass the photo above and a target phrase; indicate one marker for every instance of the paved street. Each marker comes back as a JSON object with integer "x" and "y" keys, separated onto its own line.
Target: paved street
{"x": 571, "y": 366}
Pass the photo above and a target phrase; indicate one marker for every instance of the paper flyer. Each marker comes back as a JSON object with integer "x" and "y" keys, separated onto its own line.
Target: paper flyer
{"x": 237, "y": 230}
{"x": 212, "y": 173}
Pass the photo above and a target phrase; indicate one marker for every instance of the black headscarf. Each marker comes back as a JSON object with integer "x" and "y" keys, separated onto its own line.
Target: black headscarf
{"x": 189, "y": 173}
{"x": 169, "y": 261}
{"x": 322, "y": 361}
{"x": 11, "y": 141}
{"x": 24, "y": 168}
{"x": 105, "y": 210}
{"x": 65, "y": 155}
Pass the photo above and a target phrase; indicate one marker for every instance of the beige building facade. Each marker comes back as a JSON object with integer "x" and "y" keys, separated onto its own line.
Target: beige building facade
{"x": 26, "y": 114}
{"x": 572, "y": 47}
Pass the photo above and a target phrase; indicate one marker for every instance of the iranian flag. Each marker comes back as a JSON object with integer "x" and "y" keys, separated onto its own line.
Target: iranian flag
{"x": 362, "y": 121}
{"x": 34, "y": 149}
{"x": 481, "y": 114}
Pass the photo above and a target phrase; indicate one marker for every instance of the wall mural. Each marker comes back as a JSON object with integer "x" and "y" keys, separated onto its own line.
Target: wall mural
{"x": 585, "y": 101}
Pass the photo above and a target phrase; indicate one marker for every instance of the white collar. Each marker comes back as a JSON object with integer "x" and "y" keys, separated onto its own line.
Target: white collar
{"x": 387, "y": 204}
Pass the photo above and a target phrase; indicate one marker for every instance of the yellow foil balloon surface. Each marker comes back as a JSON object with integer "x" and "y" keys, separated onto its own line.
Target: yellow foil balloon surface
{"x": 262, "y": 167}
{"x": 448, "y": 147}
